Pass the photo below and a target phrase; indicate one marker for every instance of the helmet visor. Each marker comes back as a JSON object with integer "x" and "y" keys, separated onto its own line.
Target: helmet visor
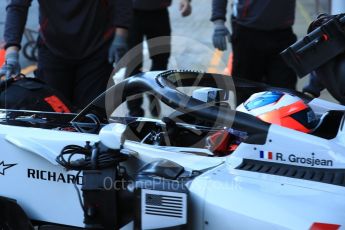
{"x": 265, "y": 99}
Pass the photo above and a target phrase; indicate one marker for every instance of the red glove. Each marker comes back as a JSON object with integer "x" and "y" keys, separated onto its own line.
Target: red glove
{"x": 222, "y": 143}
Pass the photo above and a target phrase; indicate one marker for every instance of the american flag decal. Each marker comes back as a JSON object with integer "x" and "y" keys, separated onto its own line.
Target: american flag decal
{"x": 163, "y": 205}
{"x": 163, "y": 209}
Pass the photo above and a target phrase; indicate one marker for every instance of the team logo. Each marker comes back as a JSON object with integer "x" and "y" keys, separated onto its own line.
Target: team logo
{"x": 4, "y": 167}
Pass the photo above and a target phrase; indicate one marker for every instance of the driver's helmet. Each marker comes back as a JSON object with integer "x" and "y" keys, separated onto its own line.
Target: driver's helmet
{"x": 281, "y": 109}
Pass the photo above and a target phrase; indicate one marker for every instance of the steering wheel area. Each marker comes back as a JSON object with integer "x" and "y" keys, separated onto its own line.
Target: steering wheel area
{"x": 165, "y": 86}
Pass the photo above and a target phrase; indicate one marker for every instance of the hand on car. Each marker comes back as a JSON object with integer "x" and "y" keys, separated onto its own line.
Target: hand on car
{"x": 221, "y": 35}
{"x": 11, "y": 66}
{"x": 185, "y": 8}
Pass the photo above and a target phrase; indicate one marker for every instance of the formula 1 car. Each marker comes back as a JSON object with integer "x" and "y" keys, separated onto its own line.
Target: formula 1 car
{"x": 98, "y": 170}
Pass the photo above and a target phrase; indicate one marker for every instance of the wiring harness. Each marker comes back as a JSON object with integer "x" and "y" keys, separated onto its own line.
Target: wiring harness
{"x": 101, "y": 173}
{"x": 75, "y": 157}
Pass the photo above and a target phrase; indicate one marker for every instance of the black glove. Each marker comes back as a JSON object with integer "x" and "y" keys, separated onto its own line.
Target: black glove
{"x": 117, "y": 49}
{"x": 221, "y": 35}
{"x": 322, "y": 19}
{"x": 314, "y": 87}
{"x": 11, "y": 66}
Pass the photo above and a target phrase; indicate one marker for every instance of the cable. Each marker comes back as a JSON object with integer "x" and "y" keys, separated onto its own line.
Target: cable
{"x": 72, "y": 150}
{"x": 89, "y": 161}
{"x": 78, "y": 191}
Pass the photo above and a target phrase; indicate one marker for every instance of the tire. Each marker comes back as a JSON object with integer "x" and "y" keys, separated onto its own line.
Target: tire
{"x": 34, "y": 53}
{"x": 30, "y": 51}
{"x": 12, "y": 216}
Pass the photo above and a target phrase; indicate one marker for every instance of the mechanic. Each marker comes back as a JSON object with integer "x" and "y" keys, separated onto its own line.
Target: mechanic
{"x": 315, "y": 85}
{"x": 329, "y": 75}
{"x": 151, "y": 20}
{"x": 78, "y": 42}
{"x": 260, "y": 31}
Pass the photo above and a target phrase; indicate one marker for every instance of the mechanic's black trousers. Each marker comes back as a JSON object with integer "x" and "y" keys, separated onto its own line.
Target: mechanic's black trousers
{"x": 80, "y": 81}
{"x": 155, "y": 27}
{"x": 256, "y": 55}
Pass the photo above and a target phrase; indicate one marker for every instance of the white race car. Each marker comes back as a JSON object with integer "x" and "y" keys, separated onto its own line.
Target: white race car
{"x": 67, "y": 171}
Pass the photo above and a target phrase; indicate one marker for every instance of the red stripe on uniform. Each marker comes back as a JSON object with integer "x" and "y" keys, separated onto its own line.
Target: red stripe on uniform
{"x": 56, "y": 104}
{"x": 2, "y": 57}
{"x": 245, "y": 10}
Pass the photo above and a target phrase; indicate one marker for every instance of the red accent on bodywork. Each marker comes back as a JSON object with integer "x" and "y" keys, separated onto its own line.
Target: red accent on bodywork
{"x": 324, "y": 226}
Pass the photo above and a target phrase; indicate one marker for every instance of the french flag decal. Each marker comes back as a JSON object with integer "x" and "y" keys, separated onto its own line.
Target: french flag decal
{"x": 266, "y": 155}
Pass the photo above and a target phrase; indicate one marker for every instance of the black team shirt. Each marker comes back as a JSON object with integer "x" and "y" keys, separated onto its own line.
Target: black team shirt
{"x": 258, "y": 14}
{"x": 71, "y": 29}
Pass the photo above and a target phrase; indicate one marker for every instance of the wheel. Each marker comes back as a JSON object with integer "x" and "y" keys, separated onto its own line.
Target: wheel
{"x": 12, "y": 216}
{"x": 30, "y": 51}
{"x": 34, "y": 53}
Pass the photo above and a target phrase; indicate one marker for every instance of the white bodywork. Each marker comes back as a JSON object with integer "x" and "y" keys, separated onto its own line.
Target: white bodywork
{"x": 222, "y": 198}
